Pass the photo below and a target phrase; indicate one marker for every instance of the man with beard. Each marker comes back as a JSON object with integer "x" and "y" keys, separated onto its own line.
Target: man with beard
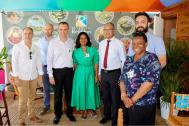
{"x": 155, "y": 43}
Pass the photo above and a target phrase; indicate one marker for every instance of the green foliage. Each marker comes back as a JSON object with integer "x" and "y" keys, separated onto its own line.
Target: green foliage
{"x": 3, "y": 57}
{"x": 174, "y": 74}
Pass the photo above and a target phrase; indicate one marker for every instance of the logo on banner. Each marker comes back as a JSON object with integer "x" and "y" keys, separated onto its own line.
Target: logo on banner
{"x": 81, "y": 21}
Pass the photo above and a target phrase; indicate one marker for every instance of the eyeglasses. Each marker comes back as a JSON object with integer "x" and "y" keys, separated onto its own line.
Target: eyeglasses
{"x": 30, "y": 54}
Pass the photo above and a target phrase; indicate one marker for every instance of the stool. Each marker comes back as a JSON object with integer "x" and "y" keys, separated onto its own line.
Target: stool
{"x": 4, "y": 108}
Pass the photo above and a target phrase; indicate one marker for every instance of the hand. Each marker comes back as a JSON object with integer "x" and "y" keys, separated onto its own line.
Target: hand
{"x": 40, "y": 80}
{"x": 99, "y": 77}
{"x": 123, "y": 95}
{"x": 129, "y": 103}
{"x": 126, "y": 100}
{"x": 51, "y": 80}
{"x": 96, "y": 78}
{"x": 16, "y": 81}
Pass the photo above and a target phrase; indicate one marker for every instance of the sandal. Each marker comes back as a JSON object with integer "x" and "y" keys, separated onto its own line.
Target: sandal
{"x": 36, "y": 119}
{"x": 84, "y": 115}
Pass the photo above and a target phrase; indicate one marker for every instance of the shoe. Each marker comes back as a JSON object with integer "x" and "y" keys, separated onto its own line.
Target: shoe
{"x": 103, "y": 120}
{"x": 21, "y": 123}
{"x": 71, "y": 117}
{"x": 44, "y": 111}
{"x": 84, "y": 115}
{"x": 56, "y": 120}
{"x": 94, "y": 115}
{"x": 36, "y": 119}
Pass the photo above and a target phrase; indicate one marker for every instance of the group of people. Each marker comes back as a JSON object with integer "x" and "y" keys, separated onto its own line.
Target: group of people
{"x": 128, "y": 76}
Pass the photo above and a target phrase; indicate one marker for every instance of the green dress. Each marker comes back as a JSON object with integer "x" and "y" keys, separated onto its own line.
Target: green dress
{"x": 85, "y": 92}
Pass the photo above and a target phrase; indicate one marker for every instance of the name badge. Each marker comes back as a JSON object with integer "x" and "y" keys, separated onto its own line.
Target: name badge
{"x": 86, "y": 54}
{"x": 131, "y": 74}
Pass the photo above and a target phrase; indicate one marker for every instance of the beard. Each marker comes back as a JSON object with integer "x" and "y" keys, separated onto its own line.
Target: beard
{"x": 142, "y": 29}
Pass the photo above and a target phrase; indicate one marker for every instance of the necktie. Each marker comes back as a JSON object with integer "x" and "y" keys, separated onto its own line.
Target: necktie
{"x": 106, "y": 54}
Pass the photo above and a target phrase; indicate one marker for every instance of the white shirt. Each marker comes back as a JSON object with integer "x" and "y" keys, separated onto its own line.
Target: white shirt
{"x": 59, "y": 54}
{"x": 22, "y": 66}
{"x": 43, "y": 44}
{"x": 116, "y": 54}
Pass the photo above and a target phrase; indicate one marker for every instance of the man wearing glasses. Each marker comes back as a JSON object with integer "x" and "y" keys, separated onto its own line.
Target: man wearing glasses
{"x": 112, "y": 57}
{"x": 27, "y": 71}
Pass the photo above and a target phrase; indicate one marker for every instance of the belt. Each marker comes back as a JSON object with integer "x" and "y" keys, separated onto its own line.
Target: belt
{"x": 44, "y": 65}
{"x": 110, "y": 71}
{"x": 65, "y": 68}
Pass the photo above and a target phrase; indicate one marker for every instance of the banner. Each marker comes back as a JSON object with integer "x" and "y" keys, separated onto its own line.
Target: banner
{"x": 90, "y": 22}
{"x": 86, "y": 5}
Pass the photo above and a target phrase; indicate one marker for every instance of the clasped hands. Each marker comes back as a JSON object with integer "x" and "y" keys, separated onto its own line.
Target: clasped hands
{"x": 128, "y": 102}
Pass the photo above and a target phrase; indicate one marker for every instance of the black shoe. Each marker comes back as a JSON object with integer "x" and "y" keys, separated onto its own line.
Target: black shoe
{"x": 104, "y": 120}
{"x": 56, "y": 120}
{"x": 71, "y": 117}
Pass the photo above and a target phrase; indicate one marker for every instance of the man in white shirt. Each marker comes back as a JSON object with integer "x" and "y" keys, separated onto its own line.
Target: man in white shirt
{"x": 43, "y": 44}
{"x": 112, "y": 57}
{"x": 60, "y": 70}
{"x": 27, "y": 69}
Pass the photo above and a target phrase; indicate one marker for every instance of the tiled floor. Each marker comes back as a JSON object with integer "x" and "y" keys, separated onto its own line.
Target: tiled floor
{"x": 48, "y": 118}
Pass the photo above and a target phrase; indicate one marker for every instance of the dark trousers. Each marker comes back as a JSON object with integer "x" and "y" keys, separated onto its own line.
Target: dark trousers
{"x": 139, "y": 115}
{"x": 46, "y": 85}
{"x": 63, "y": 79}
{"x": 111, "y": 94}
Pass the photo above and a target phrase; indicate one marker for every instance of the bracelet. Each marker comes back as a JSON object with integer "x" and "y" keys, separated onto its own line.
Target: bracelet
{"x": 123, "y": 91}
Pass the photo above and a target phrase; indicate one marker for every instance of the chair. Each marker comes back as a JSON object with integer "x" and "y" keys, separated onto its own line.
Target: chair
{"x": 181, "y": 103}
{"x": 39, "y": 88}
{"x": 4, "y": 108}
{"x": 120, "y": 117}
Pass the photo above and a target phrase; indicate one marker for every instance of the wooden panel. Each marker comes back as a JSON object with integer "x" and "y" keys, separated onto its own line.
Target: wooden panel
{"x": 180, "y": 12}
{"x": 178, "y": 121}
{"x": 172, "y": 11}
{"x": 182, "y": 26}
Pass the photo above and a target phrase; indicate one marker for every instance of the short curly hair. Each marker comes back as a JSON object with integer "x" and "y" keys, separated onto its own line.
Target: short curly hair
{"x": 140, "y": 34}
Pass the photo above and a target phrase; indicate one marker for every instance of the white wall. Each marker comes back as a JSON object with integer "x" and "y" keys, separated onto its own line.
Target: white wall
{"x": 158, "y": 26}
{"x": 1, "y": 32}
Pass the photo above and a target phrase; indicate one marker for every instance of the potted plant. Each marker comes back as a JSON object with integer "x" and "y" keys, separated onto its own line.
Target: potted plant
{"x": 3, "y": 60}
{"x": 173, "y": 75}
{"x": 169, "y": 82}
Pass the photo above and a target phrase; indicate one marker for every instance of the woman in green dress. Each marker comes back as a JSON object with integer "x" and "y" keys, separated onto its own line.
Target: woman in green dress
{"x": 85, "y": 91}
